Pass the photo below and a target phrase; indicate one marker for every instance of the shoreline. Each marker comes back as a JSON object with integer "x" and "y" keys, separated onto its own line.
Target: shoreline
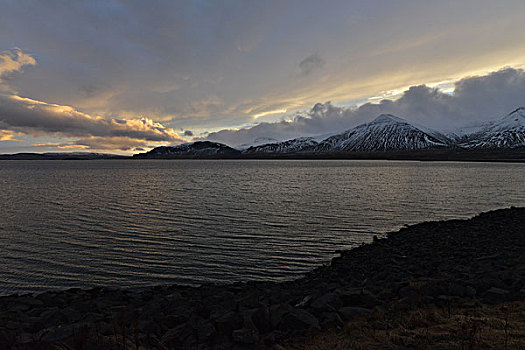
{"x": 453, "y": 155}
{"x": 438, "y": 264}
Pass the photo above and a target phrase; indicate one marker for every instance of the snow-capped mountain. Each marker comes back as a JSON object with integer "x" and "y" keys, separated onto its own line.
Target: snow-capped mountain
{"x": 507, "y": 132}
{"x": 193, "y": 149}
{"x": 385, "y": 133}
{"x": 301, "y": 144}
{"x": 257, "y": 142}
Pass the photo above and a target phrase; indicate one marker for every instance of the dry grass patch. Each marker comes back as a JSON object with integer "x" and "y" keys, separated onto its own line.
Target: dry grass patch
{"x": 475, "y": 327}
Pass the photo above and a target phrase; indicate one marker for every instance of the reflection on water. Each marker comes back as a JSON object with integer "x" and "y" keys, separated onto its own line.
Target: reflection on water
{"x": 136, "y": 223}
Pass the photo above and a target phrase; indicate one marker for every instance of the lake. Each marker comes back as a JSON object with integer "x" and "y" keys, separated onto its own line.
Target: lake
{"x": 135, "y": 223}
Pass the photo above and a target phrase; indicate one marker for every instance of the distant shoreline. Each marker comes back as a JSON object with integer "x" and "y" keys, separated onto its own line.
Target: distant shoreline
{"x": 516, "y": 156}
{"x": 441, "y": 265}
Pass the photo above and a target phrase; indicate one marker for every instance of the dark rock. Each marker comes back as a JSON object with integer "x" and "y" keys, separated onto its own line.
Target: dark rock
{"x": 328, "y": 300}
{"x": 408, "y": 292}
{"x": 277, "y": 312}
{"x": 245, "y": 336}
{"x": 180, "y": 334}
{"x": 385, "y": 295}
{"x": 304, "y": 301}
{"x": 331, "y": 320}
{"x": 92, "y": 317}
{"x": 83, "y": 306}
{"x": 456, "y": 289}
{"x": 261, "y": 319}
{"x": 249, "y": 301}
{"x": 56, "y": 334}
{"x": 470, "y": 291}
{"x": 298, "y": 319}
{"x": 495, "y": 295}
{"x": 7, "y": 338}
{"x": 349, "y": 313}
{"x": 53, "y": 317}
{"x": 172, "y": 321}
{"x": 30, "y": 301}
{"x": 357, "y": 297}
{"x": 228, "y": 322}
{"x": 205, "y": 331}
{"x": 148, "y": 326}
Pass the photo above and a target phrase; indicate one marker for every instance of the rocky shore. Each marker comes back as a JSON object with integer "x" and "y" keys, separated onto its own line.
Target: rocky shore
{"x": 444, "y": 264}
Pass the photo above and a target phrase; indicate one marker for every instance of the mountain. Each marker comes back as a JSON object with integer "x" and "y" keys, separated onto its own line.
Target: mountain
{"x": 385, "y": 133}
{"x": 257, "y": 142}
{"x": 507, "y": 132}
{"x": 387, "y": 136}
{"x": 199, "y": 149}
{"x": 60, "y": 156}
{"x": 301, "y": 144}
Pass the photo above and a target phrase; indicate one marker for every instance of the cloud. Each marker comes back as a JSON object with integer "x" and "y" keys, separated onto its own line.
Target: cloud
{"x": 475, "y": 99}
{"x": 7, "y": 135}
{"x": 310, "y": 64}
{"x": 188, "y": 133}
{"x": 25, "y": 116}
{"x": 99, "y": 143}
{"x": 37, "y": 118}
{"x": 12, "y": 61}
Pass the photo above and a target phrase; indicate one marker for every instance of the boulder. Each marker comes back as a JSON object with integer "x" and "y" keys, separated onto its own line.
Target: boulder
{"x": 228, "y": 322}
{"x": 205, "y": 331}
{"x": 456, "y": 289}
{"x": 261, "y": 319}
{"x": 181, "y": 334}
{"x": 470, "y": 291}
{"x": 277, "y": 312}
{"x": 331, "y": 320}
{"x": 245, "y": 336}
{"x": 349, "y": 313}
{"x": 327, "y": 301}
{"x": 298, "y": 319}
{"x": 357, "y": 297}
{"x": 495, "y": 295}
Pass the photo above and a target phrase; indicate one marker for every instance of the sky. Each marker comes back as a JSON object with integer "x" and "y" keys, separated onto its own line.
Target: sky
{"x": 126, "y": 76}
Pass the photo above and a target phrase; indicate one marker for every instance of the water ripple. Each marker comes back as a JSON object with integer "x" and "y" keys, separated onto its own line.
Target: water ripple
{"x": 138, "y": 223}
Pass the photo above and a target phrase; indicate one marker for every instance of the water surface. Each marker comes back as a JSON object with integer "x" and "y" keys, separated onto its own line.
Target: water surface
{"x": 134, "y": 223}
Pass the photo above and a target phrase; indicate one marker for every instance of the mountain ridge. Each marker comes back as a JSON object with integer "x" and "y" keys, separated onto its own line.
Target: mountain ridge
{"x": 506, "y": 132}
{"x": 385, "y": 137}
{"x": 386, "y": 134}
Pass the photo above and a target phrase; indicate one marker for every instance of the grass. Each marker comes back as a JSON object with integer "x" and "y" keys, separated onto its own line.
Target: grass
{"x": 478, "y": 326}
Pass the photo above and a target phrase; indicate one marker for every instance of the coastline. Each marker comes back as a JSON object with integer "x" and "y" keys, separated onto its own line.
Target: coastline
{"x": 439, "y": 265}
{"x": 492, "y": 155}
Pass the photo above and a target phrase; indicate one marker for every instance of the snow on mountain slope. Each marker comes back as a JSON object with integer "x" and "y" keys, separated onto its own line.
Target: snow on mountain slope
{"x": 507, "y": 132}
{"x": 385, "y": 133}
{"x": 257, "y": 142}
{"x": 199, "y": 148}
{"x": 301, "y": 144}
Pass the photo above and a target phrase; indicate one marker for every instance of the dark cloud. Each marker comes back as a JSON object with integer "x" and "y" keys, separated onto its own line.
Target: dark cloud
{"x": 208, "y": 65}
{"x": 188, "y": 133}
{"x": 36, "y": 118}
{"x": 310, "y": 64}
{"x": 475, "y": 99}
{"x": 98, "y": 143}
